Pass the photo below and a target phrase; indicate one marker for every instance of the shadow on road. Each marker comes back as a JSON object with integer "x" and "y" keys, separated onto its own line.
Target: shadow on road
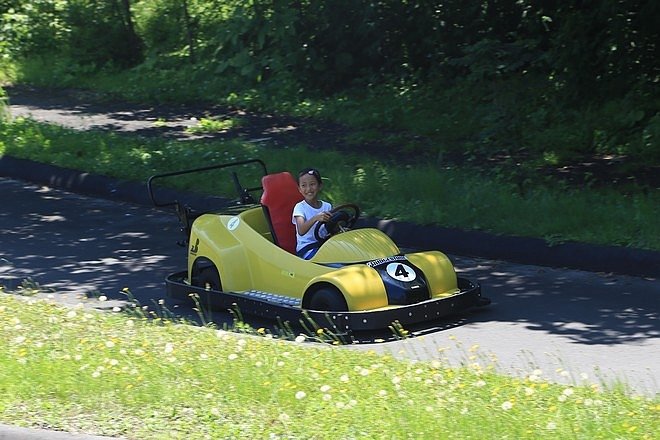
{"x": 585, "y": 307}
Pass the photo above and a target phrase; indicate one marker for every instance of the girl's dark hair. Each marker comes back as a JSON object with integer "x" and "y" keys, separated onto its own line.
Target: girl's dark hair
{"x": 312, "y": 172}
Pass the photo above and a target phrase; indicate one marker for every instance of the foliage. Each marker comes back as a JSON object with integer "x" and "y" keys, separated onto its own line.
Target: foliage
{"x": 33, "y": 27}
{"x": 110, "y": 374}
{"x": 485, "y": 78}
{"x": 86, "y": 32}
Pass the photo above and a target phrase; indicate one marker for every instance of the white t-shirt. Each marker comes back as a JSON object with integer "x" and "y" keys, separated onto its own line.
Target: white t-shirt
{"x": 306, "y": 211}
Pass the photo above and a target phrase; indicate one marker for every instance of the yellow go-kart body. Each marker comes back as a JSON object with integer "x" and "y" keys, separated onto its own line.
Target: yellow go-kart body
{"x": 241, "y": 248}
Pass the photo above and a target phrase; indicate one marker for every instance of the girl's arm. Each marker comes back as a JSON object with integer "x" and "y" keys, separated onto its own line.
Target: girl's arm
{"x": 303, "y": 226}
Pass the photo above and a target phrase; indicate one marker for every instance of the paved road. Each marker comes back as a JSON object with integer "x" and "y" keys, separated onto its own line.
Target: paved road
{"x": 595, "y": 326}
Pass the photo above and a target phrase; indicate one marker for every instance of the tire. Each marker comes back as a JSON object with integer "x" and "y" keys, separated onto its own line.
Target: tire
{"x": 328, "y": 299}
{"x": 208, "y": 277}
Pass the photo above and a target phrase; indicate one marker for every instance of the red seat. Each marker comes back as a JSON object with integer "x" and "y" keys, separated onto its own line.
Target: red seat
{"x": 278, "y": 199}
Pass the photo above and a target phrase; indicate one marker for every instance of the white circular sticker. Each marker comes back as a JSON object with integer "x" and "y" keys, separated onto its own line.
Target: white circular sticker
{"x": 233, "y": 223}
{"x": 401, "y": 272}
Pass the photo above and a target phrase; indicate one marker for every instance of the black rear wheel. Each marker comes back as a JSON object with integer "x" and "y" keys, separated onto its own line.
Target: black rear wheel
{"x": 328, "y": 299}
{"x": 208, "y": 278}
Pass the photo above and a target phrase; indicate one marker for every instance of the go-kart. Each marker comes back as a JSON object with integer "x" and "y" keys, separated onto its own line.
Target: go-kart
{"x": 242, "y": 255}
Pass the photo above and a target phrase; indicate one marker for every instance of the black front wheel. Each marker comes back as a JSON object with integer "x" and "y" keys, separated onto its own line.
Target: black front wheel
{"x": 328, "y": 299}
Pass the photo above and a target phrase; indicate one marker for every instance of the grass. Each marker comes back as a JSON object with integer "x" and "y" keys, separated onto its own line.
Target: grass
{"x": 431, "y": 193}
{"x": 214, "y": 125}
{"x": 76, "y": 369}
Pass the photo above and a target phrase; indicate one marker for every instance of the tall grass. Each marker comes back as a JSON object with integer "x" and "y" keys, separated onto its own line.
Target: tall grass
{"x": 4, "y": 111}
{"x": 423, "y": 194}
{"x": 77, "y": 369}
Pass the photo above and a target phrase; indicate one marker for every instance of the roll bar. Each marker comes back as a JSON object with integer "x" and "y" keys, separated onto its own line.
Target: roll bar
{"x": 243, "y": 192}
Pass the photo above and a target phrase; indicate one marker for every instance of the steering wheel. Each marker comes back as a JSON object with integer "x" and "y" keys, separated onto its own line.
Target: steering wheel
{"x": 340, "y": 220}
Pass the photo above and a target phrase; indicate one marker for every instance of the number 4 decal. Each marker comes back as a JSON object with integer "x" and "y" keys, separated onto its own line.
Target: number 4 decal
{"x": 401, "y": 272}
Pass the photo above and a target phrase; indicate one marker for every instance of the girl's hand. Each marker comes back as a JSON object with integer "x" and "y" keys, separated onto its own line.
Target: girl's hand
{"x": 323, "y": 217}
